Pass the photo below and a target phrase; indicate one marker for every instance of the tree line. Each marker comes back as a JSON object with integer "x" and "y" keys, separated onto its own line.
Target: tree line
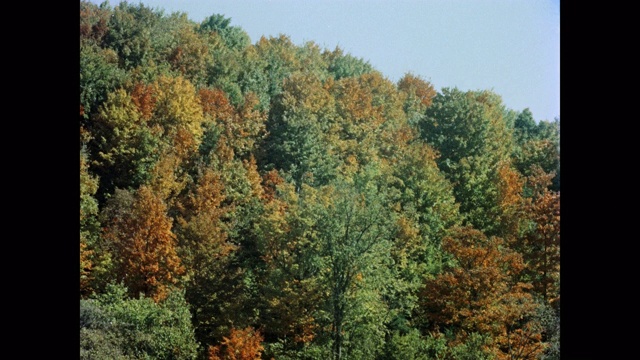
{"x": 269, "y": 200}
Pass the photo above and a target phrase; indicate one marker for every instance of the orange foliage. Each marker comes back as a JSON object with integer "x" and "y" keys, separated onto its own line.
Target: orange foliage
{"x": 510, "y": 201}
{"x": 270, "y": 182}
{"x": 143, "y": 97}
{"x": 202, "y": 220}
{"x": 242, "y": 344}
{"x": 422, "y": 90}
{"x": 480, "y": 294}
{"x": 241, "y": 128}
{"x": 145, "y": 246}
{"x": 540, "y": 245}
{"x": 215, "y": 103}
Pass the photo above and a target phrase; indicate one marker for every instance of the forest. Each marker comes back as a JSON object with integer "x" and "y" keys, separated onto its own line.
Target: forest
{"x": 266, "y": 200}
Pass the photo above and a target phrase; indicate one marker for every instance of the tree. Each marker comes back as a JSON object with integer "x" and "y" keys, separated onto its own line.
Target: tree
{"x": 540, "y": 242}
{"x": 470, "y": 133}
{"x": 129, "y": 34}
{"x": 233, "y": 37}
{"x": 418, "y": 96}
{"x": 537, "y": 145}
{"x": 126, "y": 147}
{"x": 341, "y": 65}
{"x": 242, "y": 344}
{"x": 190, "y": 55}
{"x": 99, "y": 76}
{"x": 296, "y": 142}
{"x": 479, "y": 293}
{"x": 355, "y": 228}
{"x": 237, "y": 129}
{"x": 93, "y": 261}
{"x": 113, "y": 326}
{"x": 290, "y": 292}
{"x": 144, "y": 246}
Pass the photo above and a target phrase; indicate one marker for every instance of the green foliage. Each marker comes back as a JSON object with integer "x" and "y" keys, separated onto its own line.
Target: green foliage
{"x": 296, "y": 142}
{"x": 126, "y": 147}
{"x": 537, "y": 145}
{"x": 345, "y": 65}
{"x": 129, "y": 33}
{"x": 99, "y": 75}
{"x": 113, "y": 326}
{"x": 409, "y": 346}
{"x": 234, "y": 37}
{"x": 355, "y": 227}
{"x": 469, "y": 131}
{"x": 474, "y": 348}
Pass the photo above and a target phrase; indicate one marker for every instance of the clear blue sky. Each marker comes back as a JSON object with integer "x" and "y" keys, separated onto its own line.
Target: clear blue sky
{"x": 509, "y": 46}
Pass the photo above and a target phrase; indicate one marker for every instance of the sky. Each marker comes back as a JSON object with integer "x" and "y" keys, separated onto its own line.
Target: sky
{"x": 509, "y": 46}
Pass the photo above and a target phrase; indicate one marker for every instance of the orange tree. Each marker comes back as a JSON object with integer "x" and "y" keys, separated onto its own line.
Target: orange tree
{"x": 477, "y": 294}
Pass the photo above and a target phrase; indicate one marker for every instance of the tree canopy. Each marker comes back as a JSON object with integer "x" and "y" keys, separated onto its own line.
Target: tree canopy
{"x": 272, "y": 200}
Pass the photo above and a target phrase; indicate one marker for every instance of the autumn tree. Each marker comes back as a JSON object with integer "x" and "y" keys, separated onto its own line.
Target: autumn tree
{"x": 242, "y": 344}
{"x": 144, "y": 246}
{"x": 236, "y": 129}
{"x": 418, "y": 95}
{"x": 540, "y": 242}
{"x": 190, "y": 54}
{"x": 479, "y": 293}
{"x": 205, "y": 249}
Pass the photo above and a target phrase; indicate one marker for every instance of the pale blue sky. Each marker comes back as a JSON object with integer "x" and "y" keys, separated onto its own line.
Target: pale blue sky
{"x": 509, "y": 46}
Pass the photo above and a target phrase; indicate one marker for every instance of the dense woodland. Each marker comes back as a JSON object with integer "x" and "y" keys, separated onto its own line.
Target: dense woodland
{"x": 270, "y": 200}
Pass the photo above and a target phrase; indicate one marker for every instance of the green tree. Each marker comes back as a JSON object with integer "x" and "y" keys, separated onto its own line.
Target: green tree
{"x": 233, "y": 36}
{"x": 99, "y": 76}
{"x": 124, "y": 144}
{"x": 470, "y": 133}
{"x": 113, "y": 326}
{"x": 94, "y": 259}
{"x": 355, "y": 228}
{"x": 537, "y": 145}
{"x": 343, "y": 65}
{"x": 290, "y": 291}
{"x": 296, "y": 141}
{"x": 129, "y": 33}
